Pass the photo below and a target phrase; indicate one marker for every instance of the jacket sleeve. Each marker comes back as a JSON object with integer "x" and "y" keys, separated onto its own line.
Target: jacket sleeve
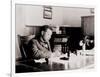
{"x": 38, "y": 51}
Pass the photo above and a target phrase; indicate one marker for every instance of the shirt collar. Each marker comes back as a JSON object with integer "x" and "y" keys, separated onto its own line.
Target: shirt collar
{"x": 42, "y": 40}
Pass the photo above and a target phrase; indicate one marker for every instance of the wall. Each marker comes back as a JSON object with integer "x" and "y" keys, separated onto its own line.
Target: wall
{"x": 72, "y": 16}
{"x": 33, "y": 15}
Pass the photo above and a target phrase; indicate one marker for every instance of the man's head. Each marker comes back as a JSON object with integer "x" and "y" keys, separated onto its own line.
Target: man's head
{"x": 46, "y": 32}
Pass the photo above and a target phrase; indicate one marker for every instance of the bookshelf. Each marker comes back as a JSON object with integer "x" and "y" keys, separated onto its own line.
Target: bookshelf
{"x": 68, "y": 39}
{"x": 61, "y": 39}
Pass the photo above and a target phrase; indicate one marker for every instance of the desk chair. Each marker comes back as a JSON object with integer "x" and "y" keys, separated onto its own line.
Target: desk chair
{"x": 27, "y": 59}
{"x": 23, "y": 41}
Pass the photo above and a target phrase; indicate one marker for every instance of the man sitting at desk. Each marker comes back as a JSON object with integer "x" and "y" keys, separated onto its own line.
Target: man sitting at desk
{"x": 40, "y": 47}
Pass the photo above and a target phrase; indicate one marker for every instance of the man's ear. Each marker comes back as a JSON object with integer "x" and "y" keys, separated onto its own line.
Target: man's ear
{"x": 42, "y": 32}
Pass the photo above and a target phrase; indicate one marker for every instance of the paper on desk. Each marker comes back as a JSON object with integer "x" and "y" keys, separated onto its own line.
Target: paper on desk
{"x": 57, "y": 59}
{"x": 40, "y": 60}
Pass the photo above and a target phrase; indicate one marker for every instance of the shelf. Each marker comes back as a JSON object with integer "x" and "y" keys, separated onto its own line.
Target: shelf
{"x": 60, "y": 43}
{"x": 60, "y": 35}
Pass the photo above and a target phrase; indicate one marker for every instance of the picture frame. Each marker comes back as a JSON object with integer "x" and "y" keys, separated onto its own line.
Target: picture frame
{"x": 44, "y": 10}
{"x": 47, "y": 13}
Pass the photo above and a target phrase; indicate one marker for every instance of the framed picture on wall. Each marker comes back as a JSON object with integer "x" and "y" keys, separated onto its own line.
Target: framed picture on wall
{"x": 47, "y": 13}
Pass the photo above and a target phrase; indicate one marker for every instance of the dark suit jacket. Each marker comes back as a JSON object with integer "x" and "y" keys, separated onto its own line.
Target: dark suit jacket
{"x": 39, "y": 49}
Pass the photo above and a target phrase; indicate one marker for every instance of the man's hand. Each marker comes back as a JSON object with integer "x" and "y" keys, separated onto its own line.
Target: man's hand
{"x": 55, "y": 54}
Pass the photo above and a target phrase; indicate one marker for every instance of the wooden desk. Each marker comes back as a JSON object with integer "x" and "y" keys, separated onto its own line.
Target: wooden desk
{"x": 80, "y": 61}
{"x": 84, "y": 60}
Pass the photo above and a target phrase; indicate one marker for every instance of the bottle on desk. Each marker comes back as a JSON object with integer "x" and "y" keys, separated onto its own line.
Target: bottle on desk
{"x": 83, "y": 47}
